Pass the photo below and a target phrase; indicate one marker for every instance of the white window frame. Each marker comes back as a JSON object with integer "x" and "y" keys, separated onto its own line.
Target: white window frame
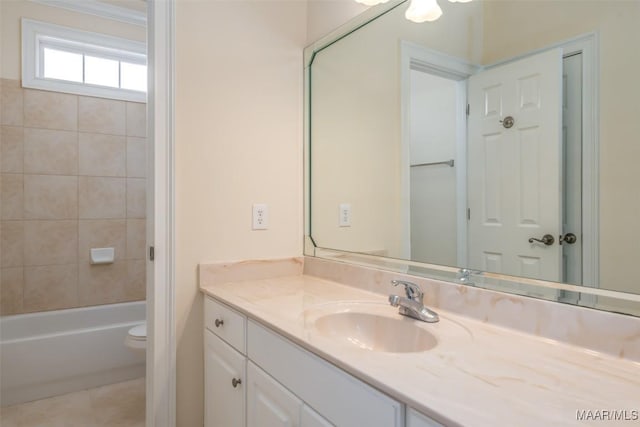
{"x": 37, "y": 35}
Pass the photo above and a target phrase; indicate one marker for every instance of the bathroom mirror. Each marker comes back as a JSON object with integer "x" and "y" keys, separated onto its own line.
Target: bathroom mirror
{"x": 496, "y": 143}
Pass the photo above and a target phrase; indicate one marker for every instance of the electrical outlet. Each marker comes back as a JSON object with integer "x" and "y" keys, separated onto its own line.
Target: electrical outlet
{"x": 345, "y": 215}
{"x": 260, "y": 216}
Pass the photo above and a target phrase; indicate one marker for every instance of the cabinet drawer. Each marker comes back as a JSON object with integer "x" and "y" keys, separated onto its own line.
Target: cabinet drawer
{"x": 342, "y": 399}
{"x": 225, "y": 323}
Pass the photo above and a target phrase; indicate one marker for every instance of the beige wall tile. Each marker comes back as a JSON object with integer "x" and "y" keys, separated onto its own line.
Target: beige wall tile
{"x": 136, "y": 239}
{"x": 136, "y": 198}
{"x": 50, "y": 242}
{"x": 50, "y": 110}
{"x": 4, "y": 83}
{"x": 102, "y": 284}
{"x": 98, "y": 115}
{"x": 102, "y": 198}
{"x": 102, "y": 155}
{"x": 136, "y": 279}
{"x": 136, "y": 157}
{"x": 12, "y": 196}
{"x": 12, "y": 241}
{"x": 50, "y": 287}
{"x": 136, "y": 119}
{"x": 50, "y": 197}
{"x": 12, "y": 149}
{"x": 11, "y": 287}
{"x": 50, "y": 151}
{"x": 11, "y": 106}
{"x": 105, "y": 233}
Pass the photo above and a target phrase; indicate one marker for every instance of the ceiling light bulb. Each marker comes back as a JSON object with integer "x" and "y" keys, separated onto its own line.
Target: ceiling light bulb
{"x": 459, "y": 1}
{"x": 371, "y": 2}
{"x": 423, "y": 10}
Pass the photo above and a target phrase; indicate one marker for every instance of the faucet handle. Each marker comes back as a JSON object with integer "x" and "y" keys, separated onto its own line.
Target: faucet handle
{"x": 412, "y": 290}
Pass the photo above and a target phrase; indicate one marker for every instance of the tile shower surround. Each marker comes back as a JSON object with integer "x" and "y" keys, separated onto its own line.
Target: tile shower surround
{"x": 73, "y": 178}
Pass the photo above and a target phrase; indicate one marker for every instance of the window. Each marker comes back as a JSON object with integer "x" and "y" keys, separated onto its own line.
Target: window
{"x": 67, "y": 60}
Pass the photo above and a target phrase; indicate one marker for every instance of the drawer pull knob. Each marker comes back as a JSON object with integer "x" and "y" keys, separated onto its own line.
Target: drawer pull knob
{"x": 236, "y": 382}
{"x": 219, "y": 322}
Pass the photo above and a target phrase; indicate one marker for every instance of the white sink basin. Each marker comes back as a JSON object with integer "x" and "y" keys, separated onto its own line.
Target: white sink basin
{"x": 376, "y": 326}
{"x": 376, "y": 333}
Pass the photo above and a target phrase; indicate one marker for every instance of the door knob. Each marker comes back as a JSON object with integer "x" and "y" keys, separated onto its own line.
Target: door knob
{"x": 236, "y": 382}
{"x": 547, "y": 239}
{"x": 568, "y": 238}
{"x": 508, "y": 122}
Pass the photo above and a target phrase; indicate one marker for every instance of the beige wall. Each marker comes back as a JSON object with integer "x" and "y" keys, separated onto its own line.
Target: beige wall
{"x": 238, "y": 142}
{"x": 324, "y": 16}
{"x": 617, "y": 25}
{"x": 12, "y": 10}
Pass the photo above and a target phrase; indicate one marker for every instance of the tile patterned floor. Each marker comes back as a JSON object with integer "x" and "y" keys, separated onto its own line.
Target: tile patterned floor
{"x": 115, "y": 405}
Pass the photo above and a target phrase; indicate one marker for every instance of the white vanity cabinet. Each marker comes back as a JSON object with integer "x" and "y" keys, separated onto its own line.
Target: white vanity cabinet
{"x": 225, "y": 366}
{"x": 310, "y": 418}
{"x": 337, "y": 396}
{"x": 269, "y": 404}
{"x": 238, "y": 393}
{"x": 416, "y": 419}
{"x": 254, "y": 377}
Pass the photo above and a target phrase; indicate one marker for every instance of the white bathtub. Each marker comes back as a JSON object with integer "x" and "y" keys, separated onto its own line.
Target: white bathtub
{"x": 57, "y": 352}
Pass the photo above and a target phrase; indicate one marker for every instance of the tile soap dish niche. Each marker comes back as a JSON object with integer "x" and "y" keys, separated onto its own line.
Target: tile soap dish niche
{"x": 102, "y": 255}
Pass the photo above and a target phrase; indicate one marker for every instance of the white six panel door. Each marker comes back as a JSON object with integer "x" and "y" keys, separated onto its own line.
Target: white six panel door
{"x": 514, "y": 174}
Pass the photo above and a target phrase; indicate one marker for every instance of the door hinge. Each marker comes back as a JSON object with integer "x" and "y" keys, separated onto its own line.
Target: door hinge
{"x": 468, "y": 109}
{"x": 468, "y": 214}
{"x": 152, "y": 253}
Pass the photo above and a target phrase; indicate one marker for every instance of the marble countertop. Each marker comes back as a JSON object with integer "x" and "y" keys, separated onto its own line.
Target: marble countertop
{"x": 478, "y": 374}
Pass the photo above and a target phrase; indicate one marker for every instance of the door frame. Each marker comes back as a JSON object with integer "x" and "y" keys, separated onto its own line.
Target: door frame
{"x": 161, "y": 336}
{"x": 416, "y": 57}
{"x": 587, "y": 45}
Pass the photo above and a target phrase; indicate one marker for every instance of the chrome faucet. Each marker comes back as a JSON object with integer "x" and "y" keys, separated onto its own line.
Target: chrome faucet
{"x": 412, "y": 305}
{"x": 464, "y": 275}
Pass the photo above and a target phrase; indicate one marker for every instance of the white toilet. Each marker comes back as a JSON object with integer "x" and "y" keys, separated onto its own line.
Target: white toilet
{"x": 136, "y": 339}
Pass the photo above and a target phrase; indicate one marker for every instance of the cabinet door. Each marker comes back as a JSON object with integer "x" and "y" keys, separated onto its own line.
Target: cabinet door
{"x": 224, "y": 401}
{"x": 416, "y": 419}
{"x": 311, "y": 418}
{"x": 269, "y": 404}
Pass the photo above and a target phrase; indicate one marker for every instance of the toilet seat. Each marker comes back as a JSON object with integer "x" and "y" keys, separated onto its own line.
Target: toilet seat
{"x": 138, "y": 332}
{"x": 137, "y": 338}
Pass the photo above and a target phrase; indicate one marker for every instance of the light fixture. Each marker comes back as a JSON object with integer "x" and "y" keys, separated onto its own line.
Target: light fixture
{"x": 374, "y": 2}
{"x": 423, "y": 10}
{"x": 419, "y": 10}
